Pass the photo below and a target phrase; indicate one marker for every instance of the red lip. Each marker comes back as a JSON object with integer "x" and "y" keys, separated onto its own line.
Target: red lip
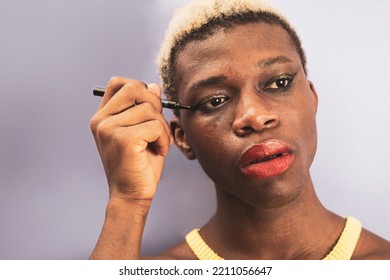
{"x": 267, "y": 159}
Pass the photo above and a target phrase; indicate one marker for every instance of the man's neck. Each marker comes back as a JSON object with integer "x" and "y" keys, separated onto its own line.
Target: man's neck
{"x": 301, "y": 229}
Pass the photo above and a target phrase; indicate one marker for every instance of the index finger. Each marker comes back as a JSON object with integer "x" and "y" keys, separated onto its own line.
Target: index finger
{"x": 113, "y": 86}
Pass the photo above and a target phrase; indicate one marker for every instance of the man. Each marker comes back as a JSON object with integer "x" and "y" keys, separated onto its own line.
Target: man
{"x": 241, "y": 68}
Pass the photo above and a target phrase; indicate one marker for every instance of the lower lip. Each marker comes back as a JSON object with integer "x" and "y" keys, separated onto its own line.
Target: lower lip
{"x": 269, "y": 168}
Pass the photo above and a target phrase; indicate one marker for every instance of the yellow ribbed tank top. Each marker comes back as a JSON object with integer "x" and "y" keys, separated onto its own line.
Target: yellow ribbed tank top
{"x": 343, "y": 250}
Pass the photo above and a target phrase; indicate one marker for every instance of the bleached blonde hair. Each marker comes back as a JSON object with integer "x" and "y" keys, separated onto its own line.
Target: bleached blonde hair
{"x": 200, "y": 18}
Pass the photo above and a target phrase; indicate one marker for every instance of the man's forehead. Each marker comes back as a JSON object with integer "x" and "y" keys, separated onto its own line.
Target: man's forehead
{"x": 232, "y": 41}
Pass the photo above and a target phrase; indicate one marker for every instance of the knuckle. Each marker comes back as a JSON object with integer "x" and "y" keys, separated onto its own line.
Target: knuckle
{"x": 148, "y": 107}
{"x": 153, "y": 104}
{"x": 94, "y": 122}
{"x": 157, "y": 102}
{"x": 129, "y": 86}
{"x": 103, "y": 129}
{"x": 114, "y": 81}
{"x": 135, "y": 85}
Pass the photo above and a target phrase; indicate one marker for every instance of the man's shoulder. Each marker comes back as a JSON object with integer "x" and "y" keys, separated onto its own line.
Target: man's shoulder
{"x": 372, "y": 247}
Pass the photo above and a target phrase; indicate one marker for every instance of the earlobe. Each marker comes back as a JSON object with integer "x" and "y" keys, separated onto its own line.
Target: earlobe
{"x": 181, "y": 139}
{"x": 315, "y": 95}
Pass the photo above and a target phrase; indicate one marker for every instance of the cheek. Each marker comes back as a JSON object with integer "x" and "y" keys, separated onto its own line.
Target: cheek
{"x": 206, "y": 136}
{"x": 210, "y": 141}
{"x": 312, "y": 131}
{"x": 306, "y": 129}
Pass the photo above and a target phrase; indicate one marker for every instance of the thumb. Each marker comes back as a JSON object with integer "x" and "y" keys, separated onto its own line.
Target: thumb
{"x": 155, "y": 88}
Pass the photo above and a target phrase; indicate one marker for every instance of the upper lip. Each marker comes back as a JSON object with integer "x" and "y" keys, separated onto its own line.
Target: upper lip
{"x": 264, "y": 151}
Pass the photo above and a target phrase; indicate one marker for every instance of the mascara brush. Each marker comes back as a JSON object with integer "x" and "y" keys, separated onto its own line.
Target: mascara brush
{"x": 99, "y": 91}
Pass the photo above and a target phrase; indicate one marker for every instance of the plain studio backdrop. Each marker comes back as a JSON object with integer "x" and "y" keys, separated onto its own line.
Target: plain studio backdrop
{"x": 53, "y": 190}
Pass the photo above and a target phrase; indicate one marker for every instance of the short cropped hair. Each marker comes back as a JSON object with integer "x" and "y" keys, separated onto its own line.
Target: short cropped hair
{"x": 200, "y": 19}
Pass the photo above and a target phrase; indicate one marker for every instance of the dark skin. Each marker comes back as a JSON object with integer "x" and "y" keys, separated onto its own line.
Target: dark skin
{"x": 252, "y": 89}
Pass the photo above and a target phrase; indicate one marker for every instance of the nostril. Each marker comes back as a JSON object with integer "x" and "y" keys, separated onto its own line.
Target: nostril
{"x": 269, "y": 123}
{"x": 245, "y": 130}
{"x": 254, "y": 119}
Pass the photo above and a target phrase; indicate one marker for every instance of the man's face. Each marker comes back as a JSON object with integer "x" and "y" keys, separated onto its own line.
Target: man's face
{"x": 253, "y": 129}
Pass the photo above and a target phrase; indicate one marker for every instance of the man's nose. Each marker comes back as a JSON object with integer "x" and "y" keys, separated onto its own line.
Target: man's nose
{"x": 253, "y": 114}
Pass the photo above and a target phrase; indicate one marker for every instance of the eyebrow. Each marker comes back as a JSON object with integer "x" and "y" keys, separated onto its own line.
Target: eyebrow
{"x": 214, "y": 80}
{"x": 272, "y": 61}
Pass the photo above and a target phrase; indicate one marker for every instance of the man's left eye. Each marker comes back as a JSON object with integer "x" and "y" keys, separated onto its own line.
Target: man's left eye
{"x": 280, "y": 83}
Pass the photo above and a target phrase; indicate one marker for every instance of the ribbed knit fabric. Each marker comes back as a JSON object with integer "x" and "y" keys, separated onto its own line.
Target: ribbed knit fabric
{"x": 343, "y": 250}
{"x": 200, "y": 248}
{"x": 345, "y": 247}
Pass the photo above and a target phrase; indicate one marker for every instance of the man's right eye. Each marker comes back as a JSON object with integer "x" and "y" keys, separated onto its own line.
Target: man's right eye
{"x": 212, "y": 102}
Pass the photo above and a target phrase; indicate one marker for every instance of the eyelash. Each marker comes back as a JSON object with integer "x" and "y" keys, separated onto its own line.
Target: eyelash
{"x": 206, "y": 105}
{"x": 285, "y": 78}
{"x": 203, "y": 104}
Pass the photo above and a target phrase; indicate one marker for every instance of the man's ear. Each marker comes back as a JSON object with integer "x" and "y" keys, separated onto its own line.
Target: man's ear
{"x": 315, "y": 95}
{"x": 181, "y": 139}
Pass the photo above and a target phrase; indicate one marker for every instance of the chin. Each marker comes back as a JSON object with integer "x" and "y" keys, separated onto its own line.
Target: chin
{"x": 270, "y": 193}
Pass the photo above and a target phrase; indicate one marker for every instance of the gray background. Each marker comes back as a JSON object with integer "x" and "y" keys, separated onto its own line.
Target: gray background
{"x": 52, "y": 186}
